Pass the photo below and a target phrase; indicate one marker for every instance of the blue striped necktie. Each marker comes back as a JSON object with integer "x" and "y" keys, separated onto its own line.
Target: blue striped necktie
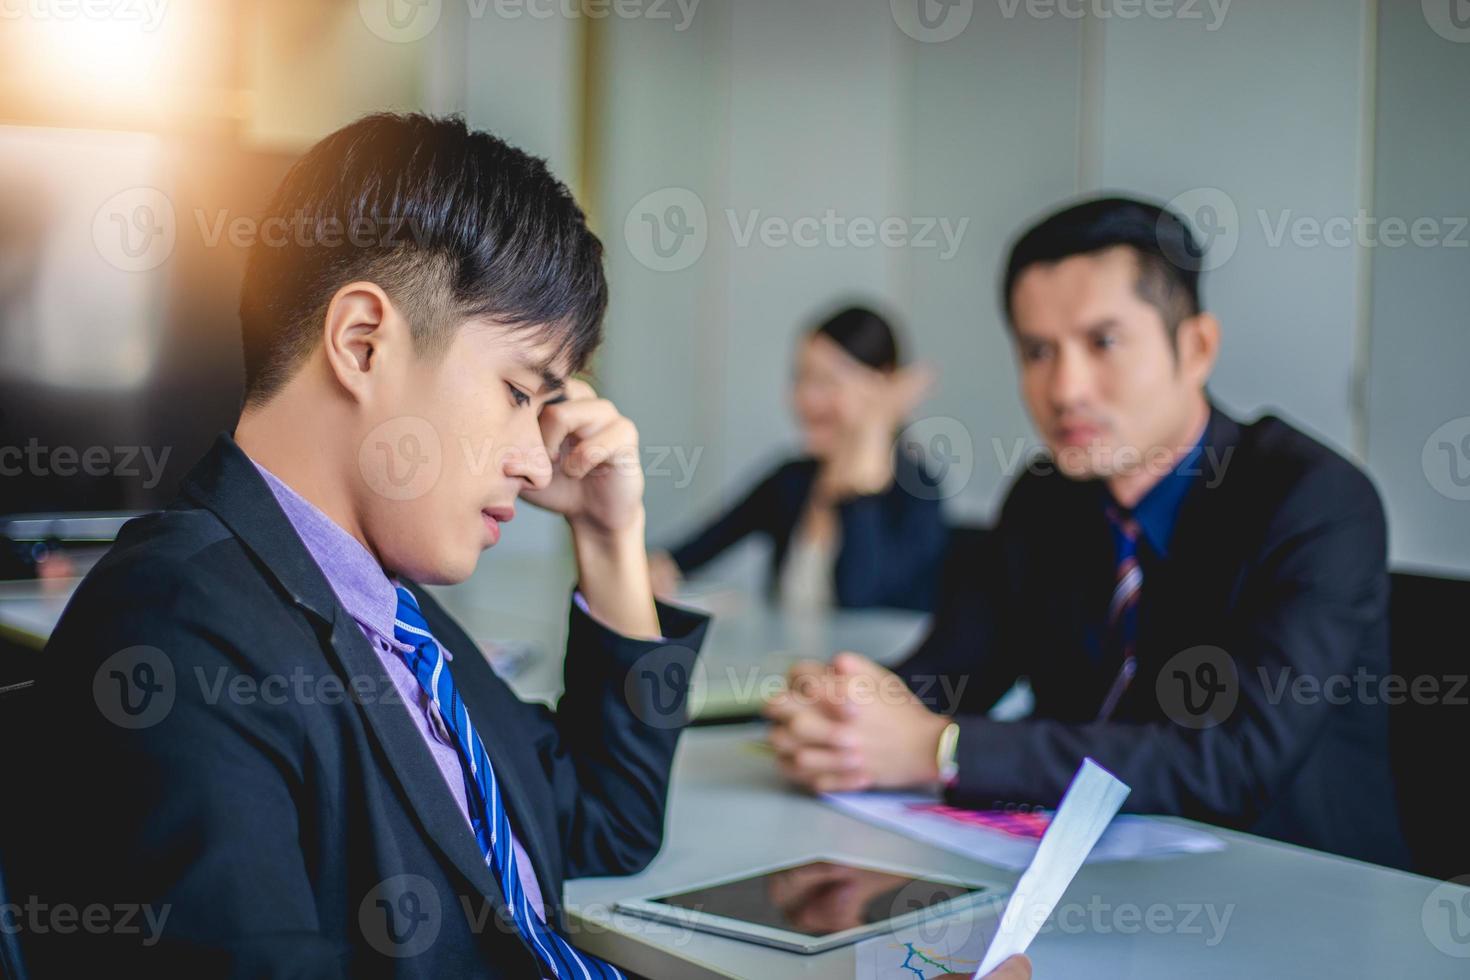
{"x": 487, "y": 811}
{"x": 1122, "y": 627}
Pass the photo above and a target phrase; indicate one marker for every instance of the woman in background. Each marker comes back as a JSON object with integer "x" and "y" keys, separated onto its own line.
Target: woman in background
{"x": 846, "y": 526}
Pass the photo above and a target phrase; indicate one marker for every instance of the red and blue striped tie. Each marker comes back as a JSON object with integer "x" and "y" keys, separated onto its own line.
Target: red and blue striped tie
{"x": 1122, "y": 628}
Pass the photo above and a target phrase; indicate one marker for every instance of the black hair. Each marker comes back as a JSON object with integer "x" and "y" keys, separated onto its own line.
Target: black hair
{"x": 866, "y": 337}
{"x": 452, "y": 223}
{"x": 1169, "y": 260}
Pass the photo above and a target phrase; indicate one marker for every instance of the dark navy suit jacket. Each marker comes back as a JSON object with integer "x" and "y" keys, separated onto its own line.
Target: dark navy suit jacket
{"x": 1274, "y": 586}
{"x": 191, "y": 750}
{"x": 891, "y": 546}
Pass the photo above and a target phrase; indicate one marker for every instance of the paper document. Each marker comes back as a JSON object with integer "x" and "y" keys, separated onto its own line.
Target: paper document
{"x": 1089, "y": 805}
{"x": 1008, "y": 839}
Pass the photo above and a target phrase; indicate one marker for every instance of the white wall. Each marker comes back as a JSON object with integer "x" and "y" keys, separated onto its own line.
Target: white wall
{"x": 1263, "y": 116}
{"x": 1418, "y": 383}
{"x": 784, "y": 109}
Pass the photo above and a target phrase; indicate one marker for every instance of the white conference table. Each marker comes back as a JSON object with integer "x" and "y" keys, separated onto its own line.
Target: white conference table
{"x": 1291, "y": 912}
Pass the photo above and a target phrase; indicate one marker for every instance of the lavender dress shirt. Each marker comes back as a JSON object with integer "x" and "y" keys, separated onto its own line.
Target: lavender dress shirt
{"x": 368, "y": 595}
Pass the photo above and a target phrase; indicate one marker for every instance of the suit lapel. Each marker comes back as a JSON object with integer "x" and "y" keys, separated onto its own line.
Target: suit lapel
{"x": 226, "y": 483}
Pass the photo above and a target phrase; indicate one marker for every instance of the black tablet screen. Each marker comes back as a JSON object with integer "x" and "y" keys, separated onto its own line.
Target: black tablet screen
{"x": 819, "y": 898}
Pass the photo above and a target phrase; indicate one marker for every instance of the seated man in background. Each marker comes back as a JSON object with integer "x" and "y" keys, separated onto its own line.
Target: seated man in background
{"x": 850, "y": 523}
{"x": 1166, "y": 579}
{"x": 254, "y": 723}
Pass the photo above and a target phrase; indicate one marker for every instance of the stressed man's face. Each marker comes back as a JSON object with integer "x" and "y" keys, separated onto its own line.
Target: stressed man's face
{"x": 455, "y": 439}
{"x": 1104, "y": 384}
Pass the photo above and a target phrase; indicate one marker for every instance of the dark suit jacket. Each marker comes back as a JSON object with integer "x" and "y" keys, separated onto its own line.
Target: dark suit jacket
{"x": 1279, "y": 563}
{"x": 290, "y": 829}
{"x": 891, "y": 545}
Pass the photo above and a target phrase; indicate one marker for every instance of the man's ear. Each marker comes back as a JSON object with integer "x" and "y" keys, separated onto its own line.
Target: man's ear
{"x": 1198, "y": 343}
{"x": 361, "y": 325}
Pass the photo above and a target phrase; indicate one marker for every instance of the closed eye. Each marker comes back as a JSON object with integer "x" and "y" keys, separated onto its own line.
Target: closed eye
{"x": 520, "y": 398}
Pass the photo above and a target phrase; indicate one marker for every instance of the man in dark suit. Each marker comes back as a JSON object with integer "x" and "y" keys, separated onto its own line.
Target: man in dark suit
{"x": 1199, "y": 604}
{"x": 260, "y": 747}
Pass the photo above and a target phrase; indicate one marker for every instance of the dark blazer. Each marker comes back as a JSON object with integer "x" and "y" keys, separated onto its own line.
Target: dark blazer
{"x": 891, "y": 545}
{"x": 290, "y": 829}
{"x": 1280, "y": 563}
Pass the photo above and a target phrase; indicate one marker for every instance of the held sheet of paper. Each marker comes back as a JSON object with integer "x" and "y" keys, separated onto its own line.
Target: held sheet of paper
{"x": 1091, "y": 802}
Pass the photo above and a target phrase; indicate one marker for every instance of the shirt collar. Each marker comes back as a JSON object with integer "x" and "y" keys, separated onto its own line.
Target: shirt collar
{"x": 361, "y": 585}
{"x": 1158, "y": 511}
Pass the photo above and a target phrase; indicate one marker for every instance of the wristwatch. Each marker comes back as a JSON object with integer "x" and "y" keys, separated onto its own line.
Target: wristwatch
{"x": 949, "y": 741}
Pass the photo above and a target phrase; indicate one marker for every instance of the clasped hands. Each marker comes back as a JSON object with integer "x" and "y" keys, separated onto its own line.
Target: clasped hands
{"x": 852, "y": 725}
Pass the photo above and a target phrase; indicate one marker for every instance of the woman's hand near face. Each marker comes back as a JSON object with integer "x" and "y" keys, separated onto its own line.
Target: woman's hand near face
{"x": 665, "y": 574}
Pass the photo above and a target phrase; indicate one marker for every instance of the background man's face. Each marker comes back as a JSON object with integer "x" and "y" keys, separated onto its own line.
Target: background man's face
{"x": 1098, "y": 369}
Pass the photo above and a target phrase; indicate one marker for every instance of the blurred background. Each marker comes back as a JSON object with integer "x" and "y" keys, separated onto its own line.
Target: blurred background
{"x": 751, "y": 165}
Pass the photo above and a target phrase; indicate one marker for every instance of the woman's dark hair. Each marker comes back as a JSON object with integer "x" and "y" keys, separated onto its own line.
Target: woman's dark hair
{"x": 865, "y": 336}
{"x": 451, "y": 222}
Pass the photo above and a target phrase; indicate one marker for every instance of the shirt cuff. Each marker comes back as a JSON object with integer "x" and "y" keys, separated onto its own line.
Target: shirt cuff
{"x": 581, "y": 602}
